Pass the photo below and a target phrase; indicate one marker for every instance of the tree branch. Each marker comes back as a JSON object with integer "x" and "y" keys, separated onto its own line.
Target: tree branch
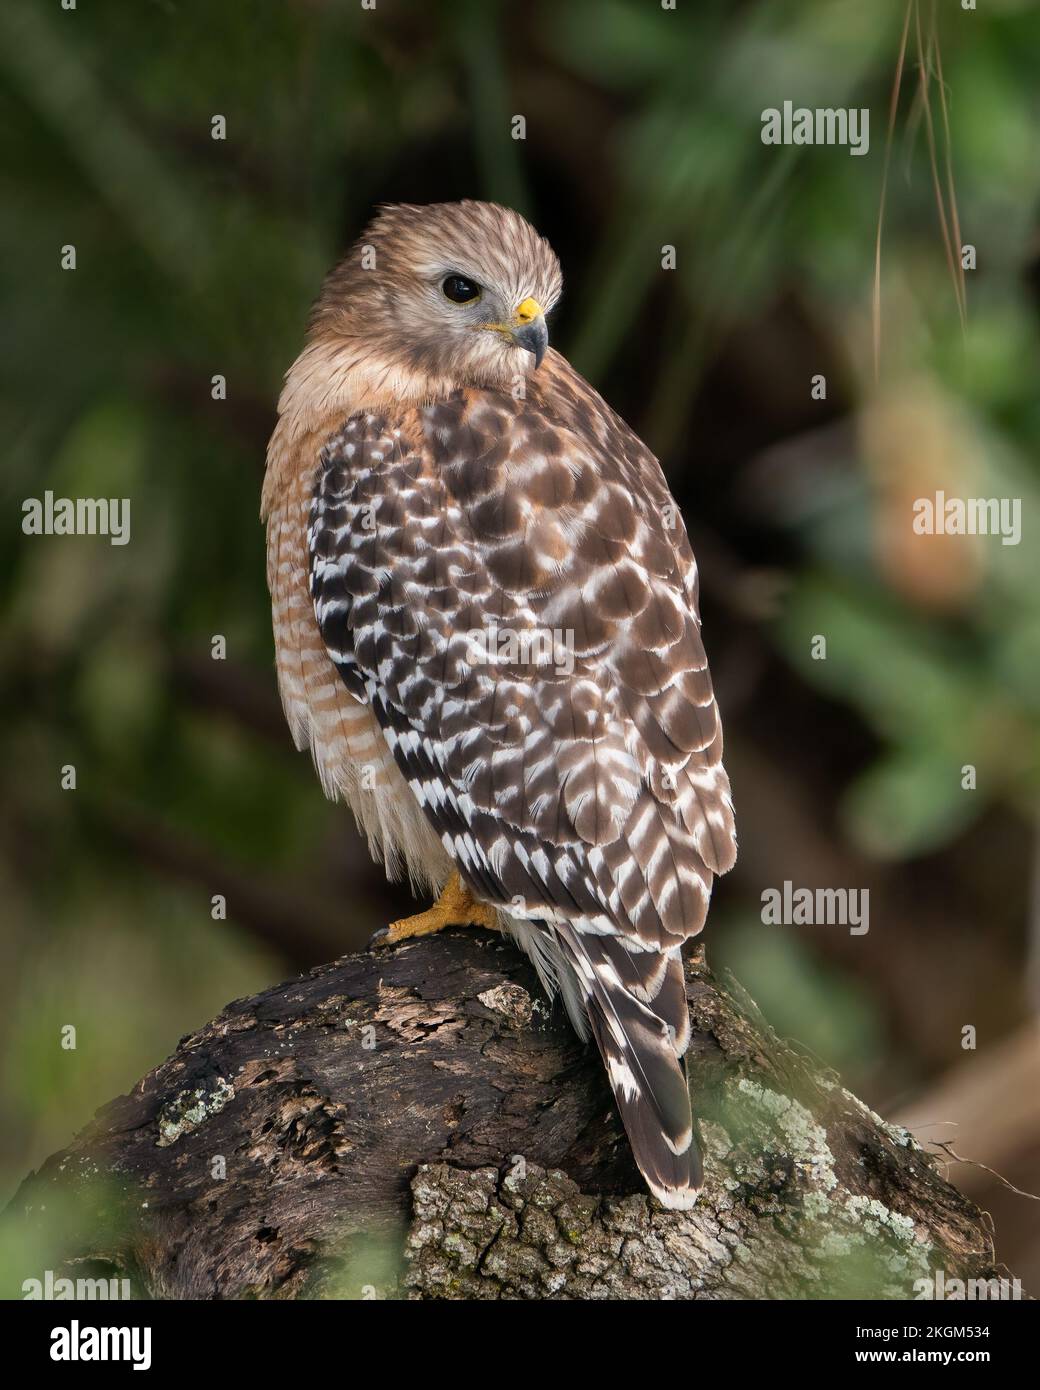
{"x": 420, "y": 1123}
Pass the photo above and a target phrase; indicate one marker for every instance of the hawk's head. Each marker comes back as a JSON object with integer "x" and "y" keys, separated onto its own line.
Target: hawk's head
{"x": 457, "y": 290}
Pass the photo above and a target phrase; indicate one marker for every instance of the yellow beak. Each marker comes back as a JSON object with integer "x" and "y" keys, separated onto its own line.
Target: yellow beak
{"x": 529, "y": 330}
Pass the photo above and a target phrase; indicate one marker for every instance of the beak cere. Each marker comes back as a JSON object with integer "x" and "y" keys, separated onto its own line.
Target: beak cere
{"x": 529, "y": 330}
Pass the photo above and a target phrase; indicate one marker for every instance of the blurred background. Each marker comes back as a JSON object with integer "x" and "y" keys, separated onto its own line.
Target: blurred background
{"x": 198, "y": 257}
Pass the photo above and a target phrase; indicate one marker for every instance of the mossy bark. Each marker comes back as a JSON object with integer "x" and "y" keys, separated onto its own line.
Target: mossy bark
{"x": 420, "y": 1123}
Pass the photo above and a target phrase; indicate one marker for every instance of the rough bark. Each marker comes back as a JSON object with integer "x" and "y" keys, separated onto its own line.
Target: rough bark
{"x": 420, "y": 1123}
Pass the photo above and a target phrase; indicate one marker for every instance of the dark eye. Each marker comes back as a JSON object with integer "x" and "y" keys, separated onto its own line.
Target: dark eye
{"x": 460, "y": 290}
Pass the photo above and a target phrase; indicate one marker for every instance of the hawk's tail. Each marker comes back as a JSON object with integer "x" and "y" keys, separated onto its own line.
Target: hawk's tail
{"x": 637, "y": 1009}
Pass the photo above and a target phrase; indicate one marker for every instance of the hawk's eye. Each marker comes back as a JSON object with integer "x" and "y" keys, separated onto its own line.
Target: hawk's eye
{"x": 460, "y": 290}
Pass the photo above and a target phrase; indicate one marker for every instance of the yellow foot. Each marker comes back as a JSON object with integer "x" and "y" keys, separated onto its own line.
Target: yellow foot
{"x": 456, "y": 907}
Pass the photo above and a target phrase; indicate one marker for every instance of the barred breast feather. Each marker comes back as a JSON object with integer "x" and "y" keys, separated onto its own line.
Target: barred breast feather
{"x": 508, "y": 585}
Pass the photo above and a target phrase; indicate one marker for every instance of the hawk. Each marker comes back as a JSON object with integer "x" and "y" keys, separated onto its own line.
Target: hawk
{"x": 487, "y": 632}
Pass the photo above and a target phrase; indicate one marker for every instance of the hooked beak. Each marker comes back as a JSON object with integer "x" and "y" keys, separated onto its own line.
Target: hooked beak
{"x": 528, "y": 329}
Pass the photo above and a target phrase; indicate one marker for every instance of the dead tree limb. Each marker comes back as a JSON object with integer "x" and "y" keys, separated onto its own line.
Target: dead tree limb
{"x": 420, "y": 1123}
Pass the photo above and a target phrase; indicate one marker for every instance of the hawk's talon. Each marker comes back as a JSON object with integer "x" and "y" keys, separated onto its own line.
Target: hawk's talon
{"x": 456, "y": 907}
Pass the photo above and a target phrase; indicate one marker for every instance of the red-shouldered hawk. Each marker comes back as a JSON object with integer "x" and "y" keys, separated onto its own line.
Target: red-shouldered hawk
{"x": 485, "y": 615}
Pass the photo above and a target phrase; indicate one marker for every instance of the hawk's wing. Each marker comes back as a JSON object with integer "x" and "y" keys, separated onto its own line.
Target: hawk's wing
{"x": 509, "y": 585}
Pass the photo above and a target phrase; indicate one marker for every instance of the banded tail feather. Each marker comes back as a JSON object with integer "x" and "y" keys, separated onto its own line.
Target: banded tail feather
{"x": 638, "y": 1014}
